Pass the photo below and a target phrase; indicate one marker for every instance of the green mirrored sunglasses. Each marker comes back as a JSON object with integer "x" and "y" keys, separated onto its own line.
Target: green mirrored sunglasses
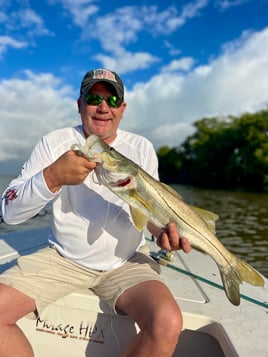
{"x": 95, "y": 99}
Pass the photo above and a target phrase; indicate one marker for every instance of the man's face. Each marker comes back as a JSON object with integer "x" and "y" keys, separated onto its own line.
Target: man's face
{"x": 100, "y": 120}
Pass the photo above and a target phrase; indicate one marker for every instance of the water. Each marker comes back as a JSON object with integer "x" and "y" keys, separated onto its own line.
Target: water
{"x": 243, "y": 221}
{"x": 242, "y": 226}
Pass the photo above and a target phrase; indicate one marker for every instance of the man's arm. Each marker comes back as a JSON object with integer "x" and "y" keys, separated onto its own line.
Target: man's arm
{"x": 40, "y": 182}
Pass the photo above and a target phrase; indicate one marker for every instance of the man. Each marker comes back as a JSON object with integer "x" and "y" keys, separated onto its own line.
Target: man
{"x": 92, "y": 236}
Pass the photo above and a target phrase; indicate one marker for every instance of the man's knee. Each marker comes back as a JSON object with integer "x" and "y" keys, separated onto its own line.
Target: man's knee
{"x": 169, "y": 319}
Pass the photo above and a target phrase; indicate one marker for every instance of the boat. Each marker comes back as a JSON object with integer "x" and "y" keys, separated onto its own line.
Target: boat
{"x": 81, "y": 325}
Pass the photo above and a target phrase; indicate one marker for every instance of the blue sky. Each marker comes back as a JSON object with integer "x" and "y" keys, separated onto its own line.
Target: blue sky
{"x": 180, "y": 61}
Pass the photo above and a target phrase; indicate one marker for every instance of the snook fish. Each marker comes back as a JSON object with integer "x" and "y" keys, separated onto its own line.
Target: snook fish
{"x": 151, "y": 200}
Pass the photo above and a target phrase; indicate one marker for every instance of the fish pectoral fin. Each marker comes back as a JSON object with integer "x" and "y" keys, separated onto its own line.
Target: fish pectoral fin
{"x": 208, "y": 216}
{"x": 139, "y": 218}
{"x": 146, "y": 204}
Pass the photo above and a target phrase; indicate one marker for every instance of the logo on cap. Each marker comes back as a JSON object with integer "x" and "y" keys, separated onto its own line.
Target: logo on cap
{"x": 103, "y": 74}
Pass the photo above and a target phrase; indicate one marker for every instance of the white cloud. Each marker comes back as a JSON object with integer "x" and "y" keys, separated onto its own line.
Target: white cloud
{"x": 6, "y": 42}
{"x": 127, "y": 62}
{"x": 226, "y": 4}
{"x": 21, "y": 22}
{"x": 233, "y": 83}
{"x": 30, "y": 20}
{"x": 127, "y": 25}
{"x": 163, "y": 108}
{"x": 79, "y": 10}
{"x": 129, "y": 22}
{"x": 192, "y": 9}
{"x": 183, "y": 64}
{"x": 29, "y": 108}
{"x": 173, "y": 51}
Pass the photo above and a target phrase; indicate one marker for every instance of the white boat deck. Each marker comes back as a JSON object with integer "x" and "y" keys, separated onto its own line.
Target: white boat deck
{"x": 81, "y": 325}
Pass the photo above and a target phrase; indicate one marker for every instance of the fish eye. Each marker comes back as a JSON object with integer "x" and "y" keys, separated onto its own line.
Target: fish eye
{"x": 112, "y": 149}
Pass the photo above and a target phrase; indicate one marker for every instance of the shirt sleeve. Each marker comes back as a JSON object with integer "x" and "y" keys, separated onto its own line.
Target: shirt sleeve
{"x": 151, "y": 161}
{"x": 27, "y": 194}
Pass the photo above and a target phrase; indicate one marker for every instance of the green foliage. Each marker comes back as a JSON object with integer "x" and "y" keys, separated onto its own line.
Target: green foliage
{"x": 169, "y": 164}
{"x": 229, "y": 152}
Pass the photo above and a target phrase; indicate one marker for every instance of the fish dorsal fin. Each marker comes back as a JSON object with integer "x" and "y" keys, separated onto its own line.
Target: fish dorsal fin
{"x": 138, "y": 217}
{"x": 208, "y": 216}
{"x": 171, "y": 190}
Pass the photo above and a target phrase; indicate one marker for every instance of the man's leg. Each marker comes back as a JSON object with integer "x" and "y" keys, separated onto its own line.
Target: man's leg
{"x": 13, "y": 306}
{"x": 156, "y": 312}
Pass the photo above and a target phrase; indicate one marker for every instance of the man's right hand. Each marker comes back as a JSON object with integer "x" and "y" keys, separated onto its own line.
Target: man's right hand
{"x": 69, "y": 169}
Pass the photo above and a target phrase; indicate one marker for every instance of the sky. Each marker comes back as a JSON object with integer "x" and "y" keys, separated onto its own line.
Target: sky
{"x": 180, "y": 61}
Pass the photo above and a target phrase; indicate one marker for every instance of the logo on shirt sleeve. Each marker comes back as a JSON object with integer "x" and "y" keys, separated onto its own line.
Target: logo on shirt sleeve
{"x": 10, "y": 195}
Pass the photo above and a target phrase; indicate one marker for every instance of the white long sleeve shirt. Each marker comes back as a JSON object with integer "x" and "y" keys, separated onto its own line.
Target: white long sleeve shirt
{"x": 89, "y": 224}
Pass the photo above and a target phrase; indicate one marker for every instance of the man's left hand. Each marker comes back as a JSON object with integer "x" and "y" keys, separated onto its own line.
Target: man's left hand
{"x": 169, "y": 239}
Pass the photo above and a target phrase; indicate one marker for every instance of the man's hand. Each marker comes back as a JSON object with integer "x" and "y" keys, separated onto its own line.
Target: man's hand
{"x": 69, "y": 169}
{"x": 168, "y": 239}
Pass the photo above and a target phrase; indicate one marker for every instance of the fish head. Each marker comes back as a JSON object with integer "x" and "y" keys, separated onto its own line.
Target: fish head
{"x": 113, "y": 169}
{"x": 93, "y": 148}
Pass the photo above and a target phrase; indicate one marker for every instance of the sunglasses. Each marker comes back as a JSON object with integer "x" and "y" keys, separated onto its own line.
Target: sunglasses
{"x": 95, "y": 99}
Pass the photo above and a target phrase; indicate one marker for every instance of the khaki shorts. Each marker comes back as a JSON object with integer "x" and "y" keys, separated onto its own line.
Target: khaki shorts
{"x": 46, "y": 277}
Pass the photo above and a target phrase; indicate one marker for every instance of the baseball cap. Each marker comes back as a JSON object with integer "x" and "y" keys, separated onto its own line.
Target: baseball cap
{"x": 102, "y": 75}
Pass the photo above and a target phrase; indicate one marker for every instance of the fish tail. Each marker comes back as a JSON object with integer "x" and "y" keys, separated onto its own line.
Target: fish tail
{"x": 234, "y": 276}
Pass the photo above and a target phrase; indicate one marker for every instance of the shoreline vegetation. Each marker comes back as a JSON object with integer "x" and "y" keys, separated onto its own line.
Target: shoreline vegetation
{"x": 223, "y": 153}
